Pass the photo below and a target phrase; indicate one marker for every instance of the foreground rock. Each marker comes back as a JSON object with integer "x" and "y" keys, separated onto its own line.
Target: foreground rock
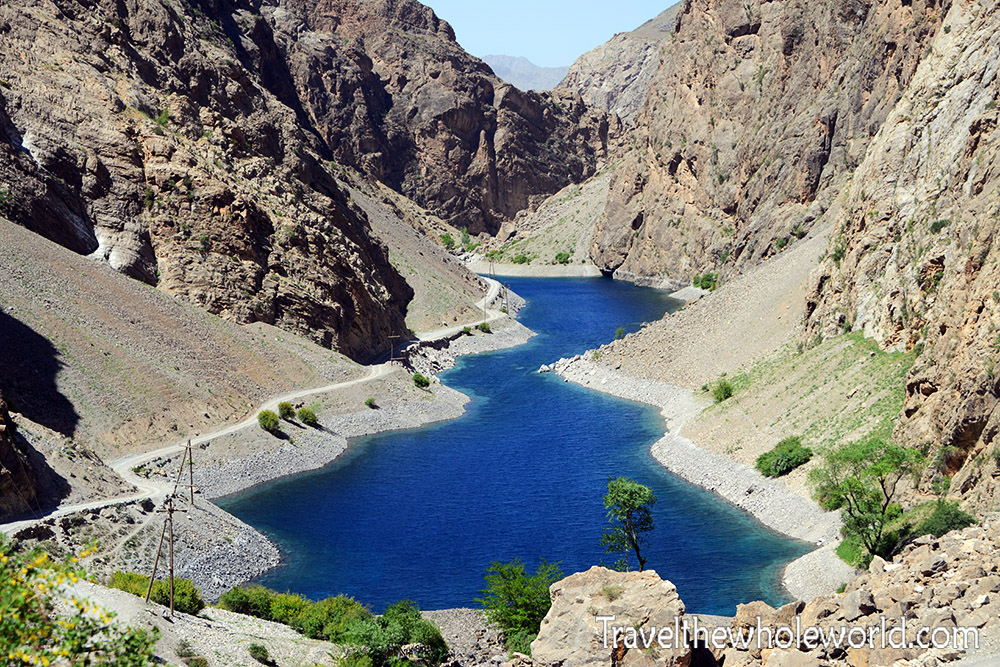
{"x": 571, "y": 634}
{"x": 938, "y": 584}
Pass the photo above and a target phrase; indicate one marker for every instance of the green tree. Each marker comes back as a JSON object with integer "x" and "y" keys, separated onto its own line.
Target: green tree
{"x": 562, "y": 257}
{"x": 629, "y": 513}
{"x": 285, "y": 410}
{"x": 308, "y": 416}
{"x": 516, "y": 602}
{"x": 619, "y": 333}
{"x": 861, "y": 479}
{"x": 421, "y": 380}
{"x": 268, "y": 420}
{"x": 448, "y": 241}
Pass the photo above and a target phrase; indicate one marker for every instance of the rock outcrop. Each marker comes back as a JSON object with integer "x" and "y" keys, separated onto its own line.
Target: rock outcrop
{"x": 617, "y": 75}
{"x": 755, "y": 118}
{"x": 17, "y": 479}
{"x": 571, "y": 635}
{"x": 157, "y": 137}
{"x": 913, "y": 259}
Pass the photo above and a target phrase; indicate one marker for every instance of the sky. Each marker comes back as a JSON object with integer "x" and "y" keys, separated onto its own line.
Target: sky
{"x": 549, "y": 33}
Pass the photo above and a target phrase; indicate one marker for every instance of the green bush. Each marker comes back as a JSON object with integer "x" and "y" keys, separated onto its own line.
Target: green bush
{"x": 250, "y": 601}
{"x": 516, "y": 602}
{"x": 308, "y": 417}
{"x": 286, "y": 607}
{"x": 722, "y": 390}
{"x": 259, "y": 653}
{"x": 268, "y": 421}
{"x": 370, "y": 402}
{"x": 484, "y": 327}
{"x": 467, "y": 330}
{"x": 187, "y": 598}
{"x": 707, "y": 281}
{"x": 938, "y": 225}
{"x": 196, "y": 661}
{"x": 521, "y": 259}
{"x": 448, "y": 241}
{"x": 946, "y": 517}
{"x": 382, "y": 638}
{"x": 562, "y": 257}
{"x": 421, "y": 380}
{"x": 285, "y": 410}
{"x": 786, "y": 456}
{"x": 330, "y": 619}
{"x": 164, "y": 118}
{"x": 619, "y": 333}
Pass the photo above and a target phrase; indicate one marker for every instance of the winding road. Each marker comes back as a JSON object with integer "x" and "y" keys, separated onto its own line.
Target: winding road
{"x": 157, "y": 490}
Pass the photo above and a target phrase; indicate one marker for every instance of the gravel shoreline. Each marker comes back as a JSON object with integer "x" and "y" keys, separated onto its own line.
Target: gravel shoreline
{"x": 255, "y": 554}
{"x": 769, "y": 501}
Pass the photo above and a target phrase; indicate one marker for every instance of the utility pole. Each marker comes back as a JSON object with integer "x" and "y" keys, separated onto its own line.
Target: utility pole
{"x": 186, "y": 459}
{"x": 168, "y": 530}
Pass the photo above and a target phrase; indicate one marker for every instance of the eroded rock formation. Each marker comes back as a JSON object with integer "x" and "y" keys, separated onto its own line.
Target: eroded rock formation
{"x": 17, "y": 479}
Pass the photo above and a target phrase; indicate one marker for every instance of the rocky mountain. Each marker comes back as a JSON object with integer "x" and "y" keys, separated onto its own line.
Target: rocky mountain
{"x": 755, "y": 119}
{"x": 524, "y": 74}
{"x": 913, "y": 260}
{"x": 617, "y": 75}
{"x": 392, "y": 93}
{"x": 197, "y": 146}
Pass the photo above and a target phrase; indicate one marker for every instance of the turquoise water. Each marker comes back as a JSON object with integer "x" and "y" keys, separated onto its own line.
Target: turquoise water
{"x": 420, "y": 514}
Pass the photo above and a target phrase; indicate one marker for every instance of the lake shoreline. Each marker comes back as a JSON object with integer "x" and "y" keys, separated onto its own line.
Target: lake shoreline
{"x": 815, "y": 573}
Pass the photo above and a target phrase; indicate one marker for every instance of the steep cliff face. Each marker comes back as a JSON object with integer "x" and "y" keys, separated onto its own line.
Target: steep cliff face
{"x": 616, "y": 76}
{"x": 17, "y": 479}
{"x": 755, "y": 117}
{"x": 393, "y": 94}
{"x": 913, "y": 260}
{"x": 147, "y": 133}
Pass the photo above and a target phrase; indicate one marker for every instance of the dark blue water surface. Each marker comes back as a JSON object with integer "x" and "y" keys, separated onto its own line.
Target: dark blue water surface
{"x": 420, "y": 514}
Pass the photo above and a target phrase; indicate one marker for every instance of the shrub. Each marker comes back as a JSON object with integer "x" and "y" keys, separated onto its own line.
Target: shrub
{"x": 421, "y": 380}
{"x": 285, "y": 410}
{"x": 187, "y": 598}
{"x": 521, "y": 259}
{"x": 780, "y": 243}
{"x": 722, "y": 390}
{"x": 516, "y": 602}
{"x": 286, "y": 607}
{"x": 946, "y": 517}
{"x": 448, "y": 241}
{"x": 251, "y": 601}
{"x": 381, "y": 639}
{"x": 563, "y": 257}
{"x": 786, "y": 456}
{"x": 268, "y": 420}
{"x": 197, "y": 661}
{"x": 467, "y": 330}
{"x": 938, "y": 225}
{"x": 259, "y": 653}
{"x": 484, "y": 327}
{"x": 370, "y": 402}
{"x": 164, "y": 118}
{"x": 308, "y": 417}
{"x": 707, "y": 281}
{"x": 331, "y": 618}
{"x": 619, "y": 333}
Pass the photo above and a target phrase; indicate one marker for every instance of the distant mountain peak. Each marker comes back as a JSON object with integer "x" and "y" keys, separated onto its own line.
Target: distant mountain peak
{"x": 524, "y": 74}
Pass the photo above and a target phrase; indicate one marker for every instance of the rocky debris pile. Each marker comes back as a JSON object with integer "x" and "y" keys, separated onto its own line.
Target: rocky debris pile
{"x": 941, "y": 584}
{"x": 471, "y": 639}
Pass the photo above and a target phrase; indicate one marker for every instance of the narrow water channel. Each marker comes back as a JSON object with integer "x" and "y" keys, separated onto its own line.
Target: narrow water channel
{"x": 420, "y": 514}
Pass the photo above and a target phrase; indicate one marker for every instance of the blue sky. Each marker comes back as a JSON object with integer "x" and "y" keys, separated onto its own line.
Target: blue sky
{"x": 549, "y": 33}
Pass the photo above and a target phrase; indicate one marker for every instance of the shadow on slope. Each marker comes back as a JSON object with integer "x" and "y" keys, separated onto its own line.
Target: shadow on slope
{"x": 29, "y": 374}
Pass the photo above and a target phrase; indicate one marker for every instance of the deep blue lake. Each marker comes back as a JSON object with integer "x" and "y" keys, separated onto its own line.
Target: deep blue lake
{"x": 420, "y": 514}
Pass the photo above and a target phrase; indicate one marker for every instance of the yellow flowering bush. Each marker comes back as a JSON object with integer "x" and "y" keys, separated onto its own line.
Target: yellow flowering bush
{"x": 32, "y": 633}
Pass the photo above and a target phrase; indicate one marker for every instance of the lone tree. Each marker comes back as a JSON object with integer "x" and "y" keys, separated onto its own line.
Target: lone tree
{"x": 628, "y": 504}
{"x": 861, "y": 479}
